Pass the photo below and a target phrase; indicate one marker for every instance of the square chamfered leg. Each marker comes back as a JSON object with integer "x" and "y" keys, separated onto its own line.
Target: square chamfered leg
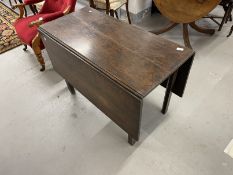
{"x": 70, "y": 87}
{"x": 131, "y": 140}
{"x": 168, "y": 94}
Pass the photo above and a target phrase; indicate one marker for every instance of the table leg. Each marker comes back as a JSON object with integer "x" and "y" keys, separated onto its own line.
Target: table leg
{"x": 70, "y": 87}
{"x": 168, "y": 93}
{"x": 186, "y": 36}
{"x": 167, "y": 28}
{"x": 131, "y": 140}
{"x": 202, "y": 30}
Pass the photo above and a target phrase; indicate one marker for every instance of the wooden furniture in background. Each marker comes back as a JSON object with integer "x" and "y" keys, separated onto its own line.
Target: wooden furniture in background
{"x": 26, "y": 28}
{"x": 185, "y": 12}
{"x": 111, "y": 6}
{"x": 154, "y": 9}
{"x": 230, "y": 31}
{"x": 227, "y": 6}
{"x": 32, "y": 7}
{"x": 115, "y": 65}
{"x": 20, "y": 1}
{"x": 11, "y": 2}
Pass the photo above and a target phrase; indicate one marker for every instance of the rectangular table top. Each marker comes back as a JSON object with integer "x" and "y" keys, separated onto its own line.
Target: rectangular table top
{"x": 135, "y": 59}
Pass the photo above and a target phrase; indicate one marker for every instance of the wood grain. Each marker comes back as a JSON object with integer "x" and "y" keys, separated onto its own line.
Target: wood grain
{"x": 185, "y": 11}
{"x": 138, "y": 60}
{"x": 114, "y": 65}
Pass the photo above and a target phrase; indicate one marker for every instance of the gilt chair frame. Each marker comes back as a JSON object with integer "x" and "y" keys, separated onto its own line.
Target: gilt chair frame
{"x": 37, "y": 39}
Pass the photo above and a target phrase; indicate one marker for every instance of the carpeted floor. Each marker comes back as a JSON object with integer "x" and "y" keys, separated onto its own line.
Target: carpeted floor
{"x": 8, "y": 36}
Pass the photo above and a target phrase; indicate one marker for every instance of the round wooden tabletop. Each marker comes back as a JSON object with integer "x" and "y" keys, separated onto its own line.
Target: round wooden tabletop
{"x": 185, "y": 11}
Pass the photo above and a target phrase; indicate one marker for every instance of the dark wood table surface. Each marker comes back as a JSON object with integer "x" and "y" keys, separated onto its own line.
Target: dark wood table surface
{"x": 115, "y": 65}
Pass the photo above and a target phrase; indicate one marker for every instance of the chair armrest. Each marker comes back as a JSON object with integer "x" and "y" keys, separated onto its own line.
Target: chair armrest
{"x": 37, "y": 22}
{"x": 46, "y": 18}
{"x": 52, "y": 16}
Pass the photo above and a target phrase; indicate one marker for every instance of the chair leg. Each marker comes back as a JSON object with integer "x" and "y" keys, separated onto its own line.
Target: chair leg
{"x": 91, "y": 3}
{"x": 25, "y": 47}
{"x": 116, "y": 14}
{"x": 36, "y": 48}
{"x": 127, "y": 11}
{"x": 229, "y": 10}
{"x": 25, "y": 12}
{"x": 40, "y": 59}
{"x": 10, "y": 3}
{"x": 35, "y": 9}
{"x": 108, "y": 10}
{"x": 112, "y": 13}
{"x": 226, "y": 16}
{"x": 230, "y": 16}
{"x": 230, "y": 32}
{"x": 32, "y": 9}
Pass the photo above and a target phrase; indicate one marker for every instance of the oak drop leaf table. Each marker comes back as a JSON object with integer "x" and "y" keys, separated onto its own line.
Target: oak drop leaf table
{"x": 114, "y": 64}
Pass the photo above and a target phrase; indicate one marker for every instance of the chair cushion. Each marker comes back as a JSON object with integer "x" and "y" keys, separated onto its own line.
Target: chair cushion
{"x": 26, "y": 33}
{"x": 114, "y": 4}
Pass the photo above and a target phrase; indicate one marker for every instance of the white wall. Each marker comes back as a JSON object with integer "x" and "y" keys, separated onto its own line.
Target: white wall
{"x": 136, "y": 6}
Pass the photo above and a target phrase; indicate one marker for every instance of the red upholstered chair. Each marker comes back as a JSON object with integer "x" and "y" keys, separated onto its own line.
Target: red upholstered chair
{"x": 26, "y": 28}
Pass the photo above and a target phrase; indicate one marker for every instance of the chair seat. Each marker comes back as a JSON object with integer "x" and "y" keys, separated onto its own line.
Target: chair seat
{"x": 114, "y": 4}
{"x": 26, "y": 33}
